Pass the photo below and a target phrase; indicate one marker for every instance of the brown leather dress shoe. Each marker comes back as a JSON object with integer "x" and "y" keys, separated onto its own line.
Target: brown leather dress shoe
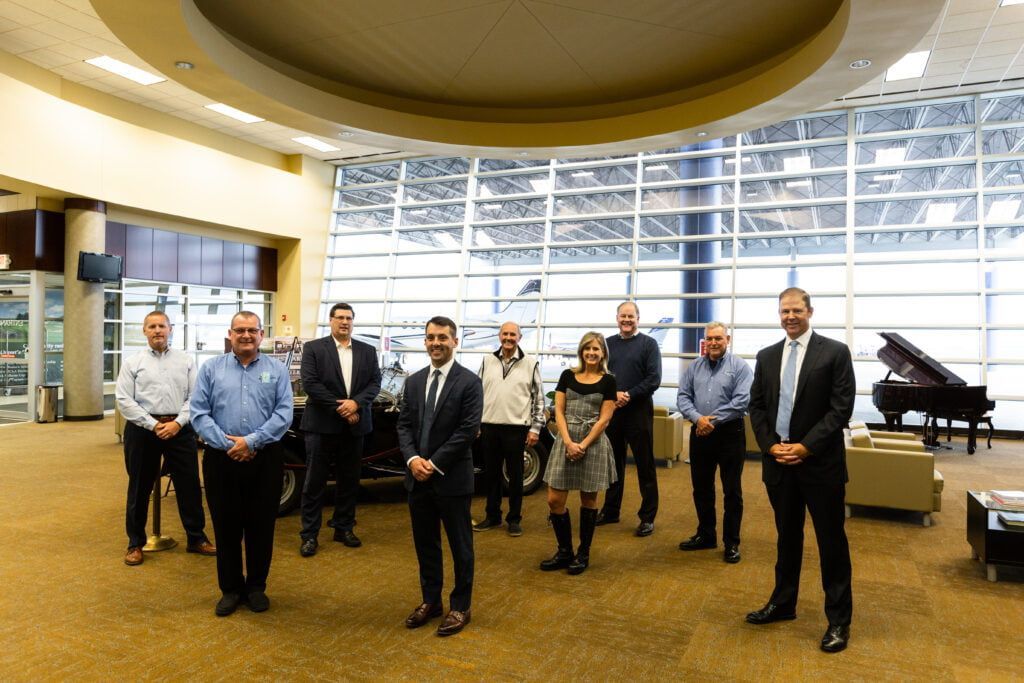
{"x": 453, "y": 622}
{"x": 423, "y": 614}
{"x": 203, "y": 548}
{"x": 133, "y": 556}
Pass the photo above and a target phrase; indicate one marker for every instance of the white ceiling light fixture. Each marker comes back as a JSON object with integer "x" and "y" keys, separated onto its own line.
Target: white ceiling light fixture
{"x": 236, "y": 114}
{"x": 795, "y": 164}
{"x": 318, "y": 145}
{"x": 132, "y": 73}
{"x": 940, "y": 213}
{"x": 1003, "y": 210}
{"x": 582, "y": 174}
{"x": 890, "y": 155}
{"x": 860, "y": 64}
{"x": 1008, "y": 3}
{"x": 912, "y": 65}
{"x": 187, "y": 66}
{"x": 658, "y": 167}
{"x": 799, "y": 183}
{"x": 886, "y": 176}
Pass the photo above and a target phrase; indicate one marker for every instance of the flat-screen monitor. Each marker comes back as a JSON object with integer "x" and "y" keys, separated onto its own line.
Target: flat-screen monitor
{"x": 93, "y": 267}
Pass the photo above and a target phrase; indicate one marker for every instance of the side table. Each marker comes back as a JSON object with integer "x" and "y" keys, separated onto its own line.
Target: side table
{"x": 993, "y": 542}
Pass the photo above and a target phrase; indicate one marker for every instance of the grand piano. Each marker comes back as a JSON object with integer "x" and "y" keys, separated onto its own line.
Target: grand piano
{"x": 930, "y": 389}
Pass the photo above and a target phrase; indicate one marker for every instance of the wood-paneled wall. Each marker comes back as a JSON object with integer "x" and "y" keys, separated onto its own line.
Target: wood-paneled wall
{"x": 35, "y": 241}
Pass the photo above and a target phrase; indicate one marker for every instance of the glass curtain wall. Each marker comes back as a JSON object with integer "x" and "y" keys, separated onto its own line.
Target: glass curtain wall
{"x": 902, "y": 218}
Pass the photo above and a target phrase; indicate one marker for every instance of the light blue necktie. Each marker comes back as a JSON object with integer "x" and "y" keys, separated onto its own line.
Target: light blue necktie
{"x": 786, "y": 393}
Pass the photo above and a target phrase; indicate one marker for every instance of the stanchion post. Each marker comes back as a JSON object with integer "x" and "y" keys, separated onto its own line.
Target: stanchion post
{"x": 157, "y": 541}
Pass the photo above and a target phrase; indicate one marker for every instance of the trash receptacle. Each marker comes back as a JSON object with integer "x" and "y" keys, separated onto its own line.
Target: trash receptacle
{"x": 46, "y": 402}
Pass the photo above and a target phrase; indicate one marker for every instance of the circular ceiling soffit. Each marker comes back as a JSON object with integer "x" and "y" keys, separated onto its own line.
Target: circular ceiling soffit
{"x": 494, "y": 77}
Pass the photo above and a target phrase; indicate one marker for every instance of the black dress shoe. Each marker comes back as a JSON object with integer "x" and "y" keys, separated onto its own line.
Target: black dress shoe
{"x": 769, "y": 613}
{"x": 604, "y": 518}
{"x": 836, "y": 638}
{"x": 645, "y": 529}
{"x": 698, "y": 542}
{"x": 308, "y": 547}
{"x": 487, "y": 525}
{"x": 453, "y": 622}
{"x": 347, "y": 537}
{"x": 423, "y": 614}
{"x": 228, "y": 603}
{"x": 732, "y": 554}
{"x": 258, "y": 601}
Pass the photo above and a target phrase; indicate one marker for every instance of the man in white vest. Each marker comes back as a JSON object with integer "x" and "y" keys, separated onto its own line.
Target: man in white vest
{"x": 513, "y": 417}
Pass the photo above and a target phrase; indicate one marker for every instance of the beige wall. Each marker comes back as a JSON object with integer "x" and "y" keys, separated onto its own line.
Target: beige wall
{"x": 59, "y": 148}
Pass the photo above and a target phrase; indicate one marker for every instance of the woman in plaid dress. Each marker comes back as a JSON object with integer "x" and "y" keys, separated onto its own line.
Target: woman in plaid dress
{"x": 581, "y": 458}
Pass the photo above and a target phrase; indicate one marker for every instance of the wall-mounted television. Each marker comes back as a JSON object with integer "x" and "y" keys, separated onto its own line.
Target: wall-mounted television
{"x": 93, "y": 267}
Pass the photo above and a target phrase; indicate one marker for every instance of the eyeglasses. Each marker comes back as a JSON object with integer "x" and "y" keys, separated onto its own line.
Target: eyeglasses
{"x": 252, "y": 331}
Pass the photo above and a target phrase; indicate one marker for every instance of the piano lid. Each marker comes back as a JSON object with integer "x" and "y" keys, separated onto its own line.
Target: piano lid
{"x": 913, "y": 364}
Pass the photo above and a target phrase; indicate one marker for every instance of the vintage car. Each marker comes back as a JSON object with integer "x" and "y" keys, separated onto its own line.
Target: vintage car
{"x": 381, "y": 455}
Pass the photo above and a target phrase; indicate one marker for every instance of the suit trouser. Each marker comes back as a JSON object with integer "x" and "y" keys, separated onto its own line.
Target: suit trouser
{"x": 243, "y": 499}
{"x": 633, "y": 426}
{"x": 790, "y": 498}
{"x": 503, "y": 445}
{"x": 725, "y": 448}
{"x": 429, "y": 510}
{"x": 142, "y": 451}
{"x": 346, "y": 452}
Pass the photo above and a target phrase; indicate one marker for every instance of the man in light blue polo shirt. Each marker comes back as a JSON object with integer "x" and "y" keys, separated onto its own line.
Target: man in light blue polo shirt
{"x": 241, "y": 407}
{"x": 713, "y": 394}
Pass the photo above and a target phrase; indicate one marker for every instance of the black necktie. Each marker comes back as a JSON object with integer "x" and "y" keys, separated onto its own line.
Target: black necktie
{"x": 428, "y": 414}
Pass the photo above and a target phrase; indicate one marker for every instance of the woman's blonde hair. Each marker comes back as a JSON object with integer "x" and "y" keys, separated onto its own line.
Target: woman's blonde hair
{"x": 587, "y": 338}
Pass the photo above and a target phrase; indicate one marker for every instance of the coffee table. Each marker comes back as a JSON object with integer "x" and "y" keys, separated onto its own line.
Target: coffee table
{"x": 993, "y": 542}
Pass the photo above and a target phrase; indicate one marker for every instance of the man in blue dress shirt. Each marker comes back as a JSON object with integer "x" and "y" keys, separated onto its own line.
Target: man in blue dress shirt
{"x": 152, "y": 394}
{"x": 714, "y": 392}
{"x": 241, "y": 407}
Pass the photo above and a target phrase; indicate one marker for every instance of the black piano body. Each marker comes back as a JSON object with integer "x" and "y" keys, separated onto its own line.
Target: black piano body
{"x": 931, "y": 389}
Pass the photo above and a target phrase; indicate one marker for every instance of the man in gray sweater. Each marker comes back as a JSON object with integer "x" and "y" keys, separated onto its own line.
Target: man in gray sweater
{"x": 513, "y": 417}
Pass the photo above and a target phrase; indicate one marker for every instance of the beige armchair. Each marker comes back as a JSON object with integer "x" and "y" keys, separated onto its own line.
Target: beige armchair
{"x": 671, "y": 431}
{"x": 891, "y": 473}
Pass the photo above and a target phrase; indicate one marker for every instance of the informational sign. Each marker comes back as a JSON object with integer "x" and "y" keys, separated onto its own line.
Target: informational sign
{"x": 13, "y": 338}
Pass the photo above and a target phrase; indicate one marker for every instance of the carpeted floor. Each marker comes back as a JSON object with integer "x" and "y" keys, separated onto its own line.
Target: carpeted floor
{"x": 71, "y": 610}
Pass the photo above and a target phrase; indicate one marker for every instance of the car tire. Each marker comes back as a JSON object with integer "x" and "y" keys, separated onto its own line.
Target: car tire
{"x": 291, "y": 485}
{"x": 535, "y": 460}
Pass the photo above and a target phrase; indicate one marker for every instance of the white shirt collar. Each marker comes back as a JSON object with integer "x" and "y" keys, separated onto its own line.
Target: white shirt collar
{"x": 803, "y": 339}
{"x": 445, "y": 369}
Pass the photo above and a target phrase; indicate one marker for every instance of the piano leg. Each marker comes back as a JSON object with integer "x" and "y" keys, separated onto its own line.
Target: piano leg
{"x": 972, "y": 436}
{"x": 949, "y": 430}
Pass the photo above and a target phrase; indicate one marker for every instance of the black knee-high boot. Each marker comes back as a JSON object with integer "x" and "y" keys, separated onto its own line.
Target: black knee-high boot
{"x": 562, "y": 525}
{"x": 588, "y": 520}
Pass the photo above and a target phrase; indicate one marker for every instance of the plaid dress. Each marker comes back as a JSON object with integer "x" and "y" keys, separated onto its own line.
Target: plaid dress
{"x": 595, "y": 471}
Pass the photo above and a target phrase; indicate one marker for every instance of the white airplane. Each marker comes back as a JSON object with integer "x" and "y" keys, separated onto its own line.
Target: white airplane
{"x": 473, "y": 333}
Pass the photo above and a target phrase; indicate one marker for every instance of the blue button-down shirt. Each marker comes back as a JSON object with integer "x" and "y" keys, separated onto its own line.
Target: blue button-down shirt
{"x": 722, "y": 391}
{"x": 153, "y": 383}
{"x": 253, "y": 401}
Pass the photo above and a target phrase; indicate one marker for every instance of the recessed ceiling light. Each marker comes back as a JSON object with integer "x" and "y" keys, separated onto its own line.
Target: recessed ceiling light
{"x": 911, "y": 66}
{"x": 860, "y": 64}
{"x": 522, "y": 154}
{"x": 187, "y": 66}
{"x": 236, "y": 114}
{"x": 702, "y": 134}
{"x": 318, "y": 145}
{"x": 132, "y": 73}
{"x": 346, "y": 134}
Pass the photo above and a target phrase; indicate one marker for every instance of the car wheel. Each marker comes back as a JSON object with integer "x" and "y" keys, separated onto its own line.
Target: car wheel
{"x": 535, "y": 459}
{"x": 291, "y": 486}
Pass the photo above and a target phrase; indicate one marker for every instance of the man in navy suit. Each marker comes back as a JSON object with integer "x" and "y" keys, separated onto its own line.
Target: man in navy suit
{"x": 341, "y": 377}
{"x": 800, "y": 401}
{"x": 440, "y": 417}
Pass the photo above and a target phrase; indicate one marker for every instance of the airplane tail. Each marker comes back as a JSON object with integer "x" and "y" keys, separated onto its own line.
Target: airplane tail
{"x": 659, "y": 333}
{"x": 522, "y": 312}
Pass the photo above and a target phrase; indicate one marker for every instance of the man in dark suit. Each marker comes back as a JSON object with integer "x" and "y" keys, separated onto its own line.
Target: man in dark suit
{"x": 801, "y": 399}
{"x": 440, "y": 417}
{"x": 341, "y": 377}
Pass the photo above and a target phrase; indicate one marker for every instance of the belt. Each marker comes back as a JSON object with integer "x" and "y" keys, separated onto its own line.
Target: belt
{"x": 164, "y": 418}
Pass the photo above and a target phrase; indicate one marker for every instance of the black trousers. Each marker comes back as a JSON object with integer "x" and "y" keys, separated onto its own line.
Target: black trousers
{"x": 724, "y": 449}
{"x": 428, "y": 512}
{"x": 243, "y": 499}
{"x": 345, "y": 452}
{"x": 633, "y": 427}
{"x": 142, "y": 452}
{"x": 503, "y": 445}
{"x": 790, "y": 498}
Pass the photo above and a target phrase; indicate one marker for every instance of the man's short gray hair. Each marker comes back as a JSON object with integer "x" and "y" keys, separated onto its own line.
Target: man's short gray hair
{"x": 715, "y": 323}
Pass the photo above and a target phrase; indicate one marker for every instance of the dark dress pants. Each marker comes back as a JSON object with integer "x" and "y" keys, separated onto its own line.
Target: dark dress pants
{"x": 243, "y": 499}
{"x": 633, "y": 426}
{"x": 503, "y": 445}
{"x": 725, "y": 449}
{"x": 345, "y": 452}
{"x": 142, "y": 451}
{"x": 428, "y": 511}
{"x": 789, "y": 499}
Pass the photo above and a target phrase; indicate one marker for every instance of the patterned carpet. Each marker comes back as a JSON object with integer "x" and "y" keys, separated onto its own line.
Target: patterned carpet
{"x": 71, "y": 610}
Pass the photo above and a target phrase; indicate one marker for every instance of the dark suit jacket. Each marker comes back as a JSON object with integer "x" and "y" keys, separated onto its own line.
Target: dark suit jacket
{"x": 825, "y": 391}
{"x": 456, "y": 424}
{"x": 324, "y": 386}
